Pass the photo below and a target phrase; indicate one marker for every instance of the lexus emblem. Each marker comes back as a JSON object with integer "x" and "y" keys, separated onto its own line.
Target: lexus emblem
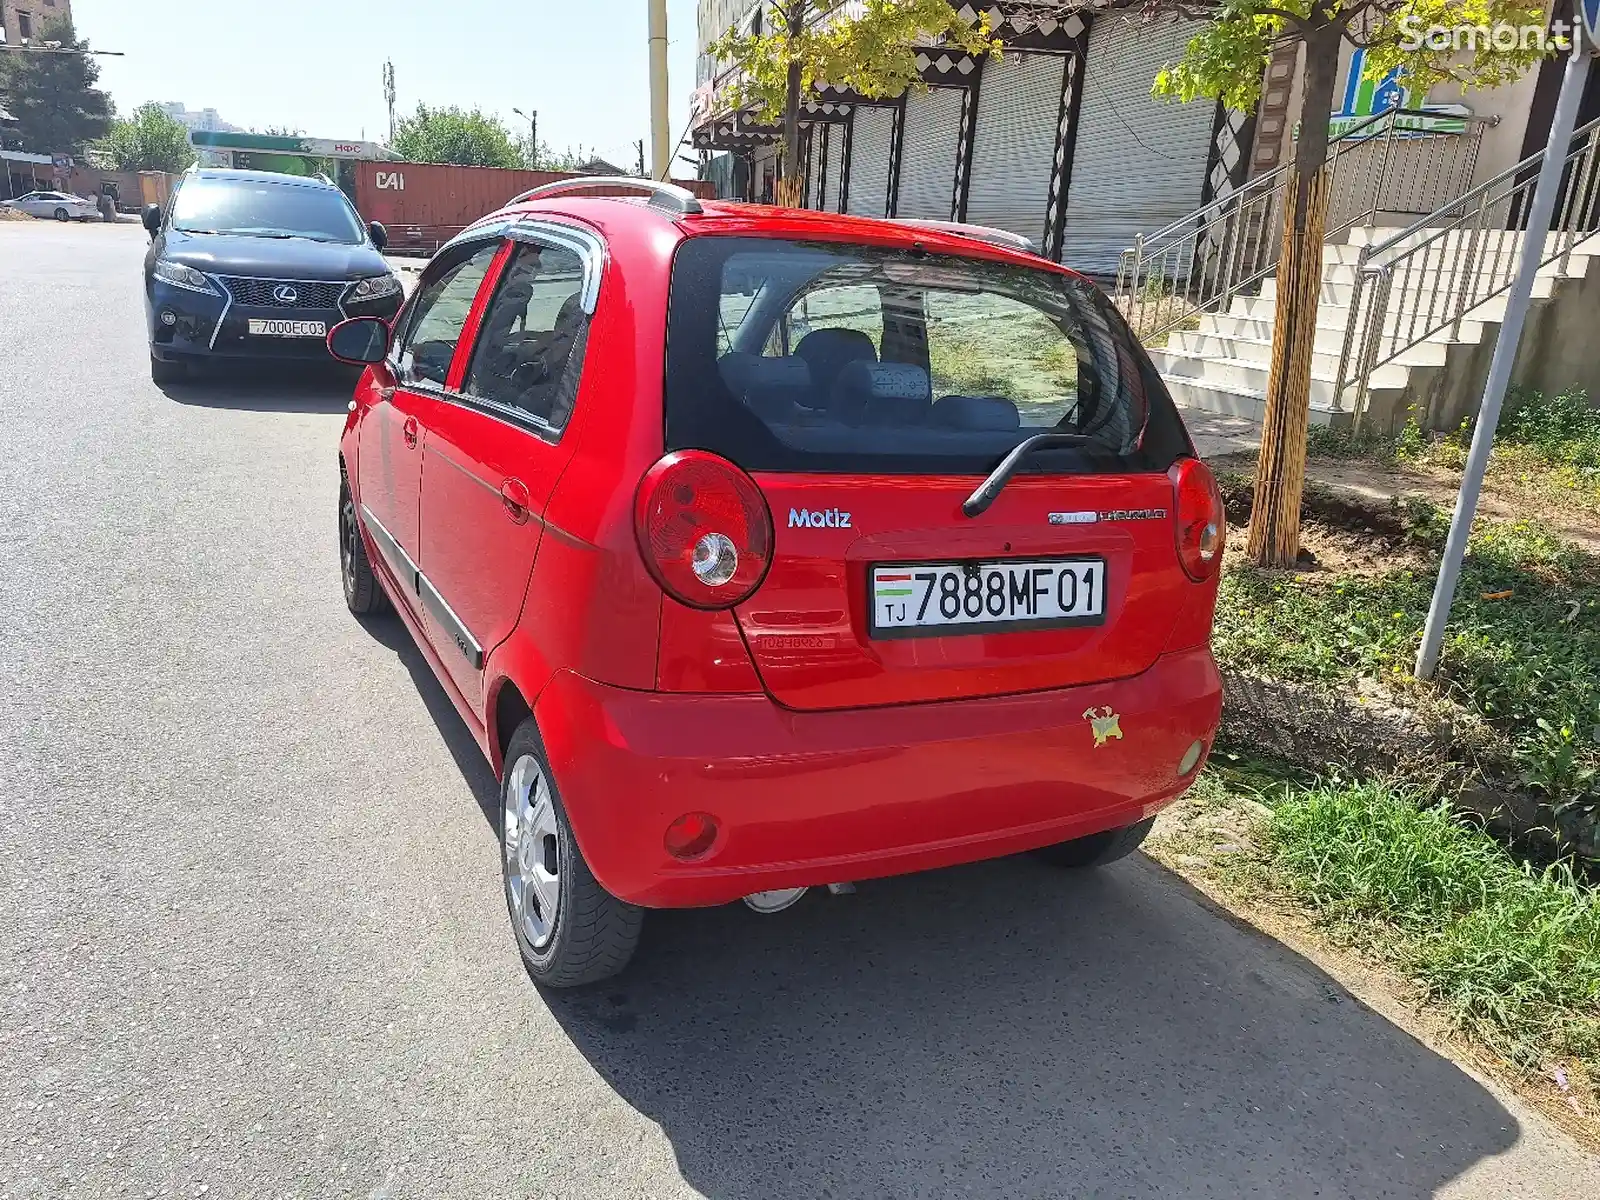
{"x": 284, "y": 294}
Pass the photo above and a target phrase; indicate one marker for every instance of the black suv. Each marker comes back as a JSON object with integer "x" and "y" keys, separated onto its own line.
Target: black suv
{"x": 256, "y": 265}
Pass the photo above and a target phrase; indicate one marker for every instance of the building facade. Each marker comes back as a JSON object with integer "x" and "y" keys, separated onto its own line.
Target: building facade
{"x": 21, "y": 21}
{"x": 1061, "y": 141}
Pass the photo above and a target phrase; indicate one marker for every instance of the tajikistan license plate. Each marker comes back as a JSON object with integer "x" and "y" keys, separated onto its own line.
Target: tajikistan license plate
{"x": 314, "y": 329}
{"x": 978, "y": 597}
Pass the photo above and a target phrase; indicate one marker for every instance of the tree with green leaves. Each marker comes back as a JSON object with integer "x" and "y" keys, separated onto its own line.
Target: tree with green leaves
{"x": 453, "y": 135}
{"x": 1227, "y": 57}
{"x": 871, "y": 52}
{"x": 51, "y": 94}
{"x": 147, "y": 140}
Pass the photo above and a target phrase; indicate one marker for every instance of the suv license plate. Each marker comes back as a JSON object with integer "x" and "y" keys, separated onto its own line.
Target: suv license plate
{"x": 923, "y": 599}
{"x": 314, "y": 329}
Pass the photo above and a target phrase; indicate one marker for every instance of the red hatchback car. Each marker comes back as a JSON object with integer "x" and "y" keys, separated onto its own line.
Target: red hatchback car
{"x": 767, "y": 549}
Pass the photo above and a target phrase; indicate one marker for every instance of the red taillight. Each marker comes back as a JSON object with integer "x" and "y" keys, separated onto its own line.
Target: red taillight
{"x": 704, "y": 529}
{"x": 1202, "y": 523}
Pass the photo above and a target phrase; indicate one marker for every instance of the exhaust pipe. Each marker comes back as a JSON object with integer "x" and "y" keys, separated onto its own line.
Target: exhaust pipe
{"x": 776, "y": 901}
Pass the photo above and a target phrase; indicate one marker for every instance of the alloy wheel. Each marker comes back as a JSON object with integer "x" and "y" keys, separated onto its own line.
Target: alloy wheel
{"x": 348, "y": 533}
{"x": 531, "y": 836}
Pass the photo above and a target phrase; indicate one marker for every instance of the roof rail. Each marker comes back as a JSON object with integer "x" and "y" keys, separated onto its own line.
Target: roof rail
{"x": 668, "y": 196}
{"x": 982, "y": 233}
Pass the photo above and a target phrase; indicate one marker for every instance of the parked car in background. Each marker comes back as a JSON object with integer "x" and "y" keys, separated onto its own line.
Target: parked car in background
{"x": 58, "y": 205}
{"x": 257, "y": 266}
{"x": 763, "y": 550}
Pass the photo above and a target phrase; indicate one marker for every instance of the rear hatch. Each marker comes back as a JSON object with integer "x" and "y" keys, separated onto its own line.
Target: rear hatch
{"x": 869, "y": 392}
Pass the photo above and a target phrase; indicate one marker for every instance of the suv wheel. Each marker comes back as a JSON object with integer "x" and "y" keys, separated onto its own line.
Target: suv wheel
{"x": 362, "y": 595}
{"x": 1097, "y": 849}
{"x": 569, "y": 929}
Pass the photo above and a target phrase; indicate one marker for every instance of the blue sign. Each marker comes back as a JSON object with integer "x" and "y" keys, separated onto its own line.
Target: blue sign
{"x": 1589, "y": 10}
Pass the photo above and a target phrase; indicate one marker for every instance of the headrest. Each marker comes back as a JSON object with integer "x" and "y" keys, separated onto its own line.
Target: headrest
{"x": 881, "y": 394}
{"x": 770, "y": 386}
{"x": 976, "y": 413}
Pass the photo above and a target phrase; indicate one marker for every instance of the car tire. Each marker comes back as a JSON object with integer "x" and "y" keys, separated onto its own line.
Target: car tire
{"x": 1098, "y": 849}
{"x": 569, "y": 930}
{"x": 363, "y": 595}
{"x": 61, "y": 215}
{"x": 163, "y": 372}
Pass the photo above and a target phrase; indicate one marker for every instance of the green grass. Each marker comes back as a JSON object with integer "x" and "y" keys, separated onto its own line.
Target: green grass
{"x": 1549, "y": 445}
{"x": 1528, "y": 663}
{"x": 1512, "y": 953}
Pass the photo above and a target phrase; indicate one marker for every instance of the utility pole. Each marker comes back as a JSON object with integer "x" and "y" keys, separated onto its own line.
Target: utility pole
{"x": 1505, "y": 349}
{"x": 660, "y": 129}
{"x": 388, "y": 93}
{"x": 640, "y": 146}
{"x": 533, "y": 135}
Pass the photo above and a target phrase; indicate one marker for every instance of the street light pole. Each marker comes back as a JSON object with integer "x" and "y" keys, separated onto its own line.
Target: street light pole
{"x": 660, "y": 125}
{"x": 1505, "y": 355}
{"x": 533, "y": 135}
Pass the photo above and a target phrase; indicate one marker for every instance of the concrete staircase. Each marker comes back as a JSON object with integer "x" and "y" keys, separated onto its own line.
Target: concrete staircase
{"x": 1221, "y": 366}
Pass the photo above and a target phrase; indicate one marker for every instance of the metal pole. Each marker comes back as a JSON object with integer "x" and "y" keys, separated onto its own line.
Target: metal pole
{"x": 660, "y": 130}
{"x": 1505, "y": 356}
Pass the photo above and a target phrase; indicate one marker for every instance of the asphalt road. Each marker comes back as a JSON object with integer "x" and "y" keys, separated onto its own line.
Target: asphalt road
{"x": 252, "y": 940}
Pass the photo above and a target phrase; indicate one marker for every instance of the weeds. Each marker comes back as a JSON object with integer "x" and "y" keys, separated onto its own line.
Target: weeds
{"x": 1513, "y": 954}
{"x": 1522, "y": 650}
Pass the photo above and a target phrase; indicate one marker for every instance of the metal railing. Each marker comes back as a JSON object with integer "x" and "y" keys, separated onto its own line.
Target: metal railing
{"x": 1398, "y": 160}
{"x": 1434, "y": 274}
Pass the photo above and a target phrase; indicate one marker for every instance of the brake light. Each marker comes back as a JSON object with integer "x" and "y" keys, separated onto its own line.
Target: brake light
{"x": 1202, "y": 523}
{"x": 704, "y": 529}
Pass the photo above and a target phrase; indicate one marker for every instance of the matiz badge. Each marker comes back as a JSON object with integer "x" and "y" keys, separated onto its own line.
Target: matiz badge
{"x": 1105, "y": 723}
{"x": 832, "y": 518}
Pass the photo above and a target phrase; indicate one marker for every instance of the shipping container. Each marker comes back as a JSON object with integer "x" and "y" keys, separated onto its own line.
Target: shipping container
{"x": 424, "y": 205}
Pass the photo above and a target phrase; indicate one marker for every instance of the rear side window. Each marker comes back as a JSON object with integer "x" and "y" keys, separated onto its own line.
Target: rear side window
{"x": 815, "y": 356}
{"x": 531, "y": 347}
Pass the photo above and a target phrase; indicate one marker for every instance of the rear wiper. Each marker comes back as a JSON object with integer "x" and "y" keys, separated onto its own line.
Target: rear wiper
{"x": 978, "y": 503}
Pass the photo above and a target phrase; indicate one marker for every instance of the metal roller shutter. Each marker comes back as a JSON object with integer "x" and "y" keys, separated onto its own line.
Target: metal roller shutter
{"x": 928, "y": 154}
{"x": 813, "y": 197}
{"x": 869, "y": 161}
{"x": 836, "y": 138}
{"x": 1139, "y": 162}
{"x": 1014, "y": 147}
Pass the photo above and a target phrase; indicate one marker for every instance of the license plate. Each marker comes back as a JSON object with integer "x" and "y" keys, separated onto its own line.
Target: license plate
{"x": 314, "y": 329}
{"x": 983, "y": 597}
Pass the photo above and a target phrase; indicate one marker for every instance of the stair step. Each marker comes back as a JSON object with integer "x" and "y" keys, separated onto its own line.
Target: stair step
{"x": 1238, "y": 374}
{"x": 1334, "y": 311}
{"x": 1329, "y": 336}
{"x": 1507, "y": 239}
{"x": 1325, "y": 356}
{"x": 1430, "y": 272}
{"x": 1239, "y": 402}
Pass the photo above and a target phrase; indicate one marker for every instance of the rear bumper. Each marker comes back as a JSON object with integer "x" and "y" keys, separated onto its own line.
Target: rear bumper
{"x": 823, "y": 797}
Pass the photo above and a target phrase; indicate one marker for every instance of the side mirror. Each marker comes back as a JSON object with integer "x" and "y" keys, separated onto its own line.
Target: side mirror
{"x": 152, "y": 218}
{"x": 378, "y": 234}
{"x": 360, "y": 341}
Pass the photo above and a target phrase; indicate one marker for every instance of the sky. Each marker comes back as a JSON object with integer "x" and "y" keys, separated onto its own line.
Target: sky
{"x": 317, "y": 65}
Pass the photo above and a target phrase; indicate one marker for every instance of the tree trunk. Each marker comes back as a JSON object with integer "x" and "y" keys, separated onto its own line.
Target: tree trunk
{"x": 1281, "y": 469}
{"x": 792, "y": 184}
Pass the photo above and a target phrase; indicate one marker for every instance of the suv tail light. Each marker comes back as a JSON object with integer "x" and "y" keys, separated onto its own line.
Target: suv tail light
{"x": 1202, "y": 523}
{"x": 704, "y": 529}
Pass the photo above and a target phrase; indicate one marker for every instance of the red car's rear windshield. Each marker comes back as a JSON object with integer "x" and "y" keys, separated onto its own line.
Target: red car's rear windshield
{"x": 835, "y": 357}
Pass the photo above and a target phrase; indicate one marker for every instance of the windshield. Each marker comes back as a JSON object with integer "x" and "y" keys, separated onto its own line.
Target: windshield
{"x": 813, "y": 356}
{"x": 256, "y": 208}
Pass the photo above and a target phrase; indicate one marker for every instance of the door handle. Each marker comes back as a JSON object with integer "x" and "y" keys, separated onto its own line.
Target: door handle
{"x": 514, "y": 495}
{"x": 409, "y": 432}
